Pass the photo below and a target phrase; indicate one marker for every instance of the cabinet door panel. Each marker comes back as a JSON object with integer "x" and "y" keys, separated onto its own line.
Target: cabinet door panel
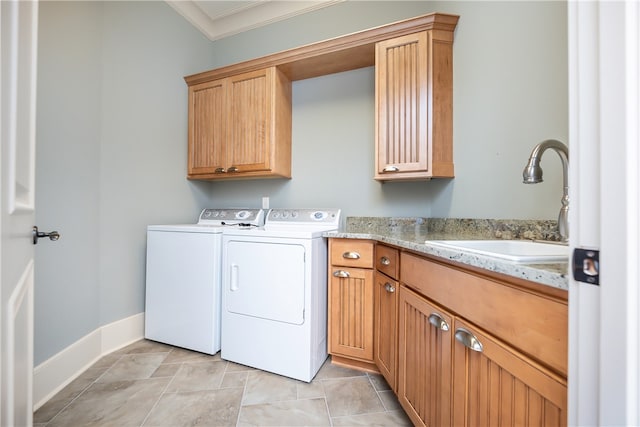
{"x": 501, "y": 387}
{"x": 424, "y": 361}
{"x": 207, "y": 127}
{"x": 351, "y": 302}
{"x": 401, "y": 82}
{"x": 249, "y": 123}
{"x": 385, "y": 330}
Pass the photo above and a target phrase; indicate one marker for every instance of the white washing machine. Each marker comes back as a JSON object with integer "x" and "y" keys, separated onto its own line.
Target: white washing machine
{"x": 274, "y": 298}
{"x": 182, "y": 296}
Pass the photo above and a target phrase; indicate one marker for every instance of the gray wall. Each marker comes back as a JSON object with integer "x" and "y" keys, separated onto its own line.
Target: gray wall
{"x": 112, "y": 112}
{"x": 510, "y": 92}
{"x": 111, "y": 156}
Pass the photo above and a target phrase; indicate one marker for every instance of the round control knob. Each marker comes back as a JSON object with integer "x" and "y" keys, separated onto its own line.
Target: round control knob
{"x": 242, "y": 214}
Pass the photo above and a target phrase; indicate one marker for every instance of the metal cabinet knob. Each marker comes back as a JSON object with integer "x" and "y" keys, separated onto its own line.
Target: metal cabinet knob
{"x": 53, "y": 236}
{"x": 220, "y": 170}
{"x": 233, "y": 169}
{"x": 385, "y": 261}
{"x": 438, "y": 321}
{"x": 351, "y": 255}
{"x": 389, "y": 287}
{"x": 468, "y": 340}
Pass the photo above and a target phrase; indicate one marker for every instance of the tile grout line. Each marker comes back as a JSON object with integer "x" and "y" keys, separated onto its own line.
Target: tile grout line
{"x": 83, "y": 390}
{"x": 163, "y": 391}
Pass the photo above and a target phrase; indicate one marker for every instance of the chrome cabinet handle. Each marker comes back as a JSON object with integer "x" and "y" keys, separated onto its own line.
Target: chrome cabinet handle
{"x": 436, "y": 320}
{"x": 391, "y": 169}
{"x": 53, "y": 236}
{"x": 351, "y": 255}
{"x": 220, "y": 170}
{"x": 389, "y": 288}
{"x": 468, "y": 340}
{"x": 341, "y": 273}
{"x": 385, "y": 261}
{"x": 233, "y": 169}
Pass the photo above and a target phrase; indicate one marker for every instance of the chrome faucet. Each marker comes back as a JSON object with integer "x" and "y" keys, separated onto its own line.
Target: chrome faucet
{"x": 532, "y": 174}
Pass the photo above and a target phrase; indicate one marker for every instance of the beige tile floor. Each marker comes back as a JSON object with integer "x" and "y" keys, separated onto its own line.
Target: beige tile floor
{"x": 153, "y": 384}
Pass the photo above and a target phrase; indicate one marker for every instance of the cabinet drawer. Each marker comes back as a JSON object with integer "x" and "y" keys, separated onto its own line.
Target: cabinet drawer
{"x": 387, "y": 261}
{"x": 534, "y": 323}
{"x": 352, "y": 253}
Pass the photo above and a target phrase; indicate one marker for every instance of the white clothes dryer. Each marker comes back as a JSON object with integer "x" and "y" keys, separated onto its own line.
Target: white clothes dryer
{"x": 182, "y": 296}
{"x": 274, "y": 298}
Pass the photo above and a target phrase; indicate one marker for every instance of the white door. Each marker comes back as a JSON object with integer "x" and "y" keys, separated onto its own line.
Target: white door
{"x": 604, "y": 323}
{"x": 18, "y": 51}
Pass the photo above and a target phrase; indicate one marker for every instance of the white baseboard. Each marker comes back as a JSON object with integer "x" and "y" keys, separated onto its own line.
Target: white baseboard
{"x": 58, "y": 371}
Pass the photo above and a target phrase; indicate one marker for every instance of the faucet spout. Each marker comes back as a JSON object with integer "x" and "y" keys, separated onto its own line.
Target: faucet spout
{"x": 532, "y": 174}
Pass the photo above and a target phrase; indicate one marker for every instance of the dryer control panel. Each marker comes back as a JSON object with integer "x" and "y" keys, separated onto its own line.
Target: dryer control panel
{"x": 310, "y": 217}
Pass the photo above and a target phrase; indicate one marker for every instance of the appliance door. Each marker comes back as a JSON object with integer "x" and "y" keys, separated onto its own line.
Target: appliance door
{"x": 265, "y": 280}
{"x": 183, "y": 289}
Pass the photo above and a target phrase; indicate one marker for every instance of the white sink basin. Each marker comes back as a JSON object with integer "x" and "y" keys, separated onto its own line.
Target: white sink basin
{"x": 522, "y": 251}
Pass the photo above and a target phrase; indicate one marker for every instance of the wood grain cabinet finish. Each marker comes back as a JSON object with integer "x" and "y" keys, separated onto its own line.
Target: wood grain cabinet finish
{"x": 351, "y": 293}
{"x": 508, "y": 360}
{"x": 497, "y": 385}
{"x": 385, "y": 302}
{"x": 414, "y": 105}
{"x": 425, "y": 339}
{"x": 240, "y": 126}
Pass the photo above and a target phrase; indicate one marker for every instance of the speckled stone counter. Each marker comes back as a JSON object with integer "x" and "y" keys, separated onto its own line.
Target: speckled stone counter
{"x": 414, "y": 234}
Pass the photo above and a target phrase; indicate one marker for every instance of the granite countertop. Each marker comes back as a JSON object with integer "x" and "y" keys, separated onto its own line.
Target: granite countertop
{"x": 414, "y": 234}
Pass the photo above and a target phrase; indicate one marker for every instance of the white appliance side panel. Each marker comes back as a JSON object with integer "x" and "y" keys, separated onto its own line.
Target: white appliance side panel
{"x": 265, "y": 280}
{"x": 182, "y": 304}
{"x": 318, "y": 304}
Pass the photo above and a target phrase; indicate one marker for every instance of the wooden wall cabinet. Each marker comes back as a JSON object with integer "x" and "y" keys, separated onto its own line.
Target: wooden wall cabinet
{"x": 508, "y": 361}
{"x": 414, "y": 106}
{"x": 350, "y": 328}
{"x": 240, "y": 126}
{"x": 413, "y": 60}
{"x": 386, "y": 312}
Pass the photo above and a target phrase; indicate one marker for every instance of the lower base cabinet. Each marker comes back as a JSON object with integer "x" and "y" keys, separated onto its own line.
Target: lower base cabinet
{"x": 458, "y": 347}
{"x": 424, "y": 374}
{"x": 495, "y": 385}
{"x": 452, "y": 374}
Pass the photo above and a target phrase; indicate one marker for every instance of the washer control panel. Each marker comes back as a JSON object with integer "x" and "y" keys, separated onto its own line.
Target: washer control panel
{"x": 231, "y": 216}
{"x": 329, "y": 217}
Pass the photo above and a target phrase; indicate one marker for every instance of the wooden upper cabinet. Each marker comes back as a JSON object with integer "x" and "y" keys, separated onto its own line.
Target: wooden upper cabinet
{"x": 206, "y": 135}
{"x": 240, "y": 126}
{"x": 414, "y": 104}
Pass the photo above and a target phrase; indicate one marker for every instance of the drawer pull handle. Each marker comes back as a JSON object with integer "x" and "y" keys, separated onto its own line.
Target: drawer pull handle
{"x": 341, "y": 273}
{"x": 351, "y": 255}
{"x": 468, "y": 340}
{"x": 391, "y": 169}
{"x": 220, "y": 170}
{"x": 385, "y": 261}
{"x": 436, "y": 320}
{"x": 389, "y": 288}
{"x": 233, "y": 169}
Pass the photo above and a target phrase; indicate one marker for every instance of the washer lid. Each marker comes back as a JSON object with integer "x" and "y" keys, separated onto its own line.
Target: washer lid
{"x": 186, "y": 228}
